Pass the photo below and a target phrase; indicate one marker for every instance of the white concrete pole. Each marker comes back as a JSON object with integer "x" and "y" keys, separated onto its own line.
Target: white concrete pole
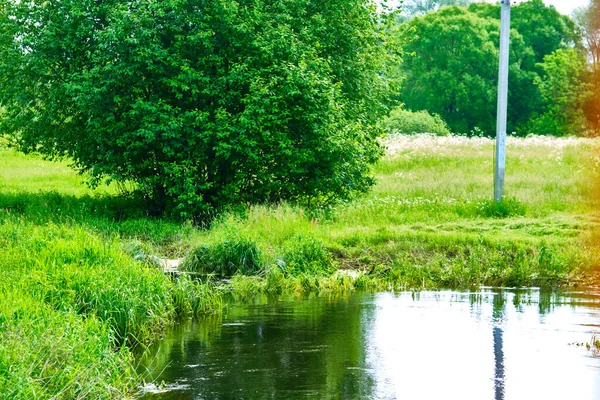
{"x": 502, "y": 102}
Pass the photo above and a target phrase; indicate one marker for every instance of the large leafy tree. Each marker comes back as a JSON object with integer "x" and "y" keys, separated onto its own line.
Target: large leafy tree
{"x": 453, "y": 72}
{"x": 564, "y": 91}
{"x": 551, "y": 99}
{"x": 453, "y": 68}
{"x": 203, "y": 103}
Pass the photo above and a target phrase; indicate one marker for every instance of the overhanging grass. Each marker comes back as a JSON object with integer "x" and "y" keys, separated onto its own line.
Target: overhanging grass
{"x": 70, "y": 299}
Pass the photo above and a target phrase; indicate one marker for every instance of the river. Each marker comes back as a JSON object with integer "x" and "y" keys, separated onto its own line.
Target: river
{"x": 484, "y": 344}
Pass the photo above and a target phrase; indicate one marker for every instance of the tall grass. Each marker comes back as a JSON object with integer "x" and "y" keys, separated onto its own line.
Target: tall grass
{"x": 70, "y": 299}
{"x": 430, "y": 220}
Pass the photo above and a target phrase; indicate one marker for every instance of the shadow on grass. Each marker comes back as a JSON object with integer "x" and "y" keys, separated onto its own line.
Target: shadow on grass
{"x": 57, "y": 207}
{"x": 125, "y": 216}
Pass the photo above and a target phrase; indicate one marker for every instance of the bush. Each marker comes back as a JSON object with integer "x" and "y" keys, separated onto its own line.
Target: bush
{"x": 205, "y": 105}
{"x": 307, "y": 255}
{"x": 409, "y": 122}
{"x": 225, "y": 258}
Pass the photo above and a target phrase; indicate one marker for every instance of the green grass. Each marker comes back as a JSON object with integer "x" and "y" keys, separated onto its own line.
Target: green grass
{"x": 430, "y": 221}
{"x": 75, "y": 285}
{"x": 594, "y": 344}
{"x": 71, "y": 293}
{"x": 69, "y": 299}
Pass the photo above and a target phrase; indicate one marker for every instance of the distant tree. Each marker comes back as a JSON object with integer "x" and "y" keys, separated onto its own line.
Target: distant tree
{"x": 453, "y": 68}
{"x": 588, "y": 21}
{"x": 543, "y": 28}
{"x": 564, "y": 91}
{"x": 204, "y": 104}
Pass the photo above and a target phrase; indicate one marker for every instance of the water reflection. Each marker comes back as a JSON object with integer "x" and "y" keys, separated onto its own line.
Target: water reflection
{"x": 498, "y": 320}
{"x": 414, "y": 345}
{"x": 498, "y": 364}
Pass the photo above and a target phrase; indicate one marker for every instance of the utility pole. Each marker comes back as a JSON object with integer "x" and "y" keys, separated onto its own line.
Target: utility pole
{"x": 502, "y": 102}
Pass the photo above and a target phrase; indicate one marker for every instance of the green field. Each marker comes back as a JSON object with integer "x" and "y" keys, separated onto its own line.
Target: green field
{"x": 78, "y": 278}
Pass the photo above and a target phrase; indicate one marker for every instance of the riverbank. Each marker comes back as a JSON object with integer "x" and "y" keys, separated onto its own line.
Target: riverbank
{"x": 430, "y": 223}
{"x": 79, "y": 276}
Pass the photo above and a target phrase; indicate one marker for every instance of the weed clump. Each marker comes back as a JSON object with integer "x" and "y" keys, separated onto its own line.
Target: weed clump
{"x": 508, "y": 207}
{"x": 307, "y": 255}
{"x": 225, "y": 258}
{"x": 594, "y": 343}
{"x": 193, "y": 297}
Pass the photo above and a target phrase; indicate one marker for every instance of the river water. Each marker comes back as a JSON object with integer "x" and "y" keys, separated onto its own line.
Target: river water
{"x": 485, "y": 344}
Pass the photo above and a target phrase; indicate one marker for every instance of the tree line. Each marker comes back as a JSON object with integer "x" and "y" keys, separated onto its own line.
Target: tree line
{"x": 451, "y": 68}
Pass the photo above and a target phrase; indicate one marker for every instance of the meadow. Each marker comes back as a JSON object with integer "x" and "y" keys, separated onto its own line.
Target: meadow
{"x": 80, "y": 285}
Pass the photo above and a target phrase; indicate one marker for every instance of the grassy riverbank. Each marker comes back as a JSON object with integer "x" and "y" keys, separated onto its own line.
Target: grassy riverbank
{"x": 78, "y": 277}
{"x": 69, "y": 299}
{"x": 430, "y": 223}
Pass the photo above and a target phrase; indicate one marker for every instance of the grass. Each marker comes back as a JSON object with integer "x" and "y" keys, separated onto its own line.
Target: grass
{"x": 77, "y": 281}
{"x": 69, "y": 299}
{"x": 593, "y": 345}
{"x": 430, "y": 221}
{"x": 71, "y": 293}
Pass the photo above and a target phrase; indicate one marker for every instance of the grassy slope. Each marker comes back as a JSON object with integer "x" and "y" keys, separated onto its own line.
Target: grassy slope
{"x": 69, "y": 293}
{"x": 433, "y": 195}
{"x": 70, "y": 285}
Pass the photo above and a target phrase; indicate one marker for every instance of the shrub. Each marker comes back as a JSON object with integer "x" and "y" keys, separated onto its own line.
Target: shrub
{"x": 225, "y": 258}
{"x": 307, "y": 255}
{"x": 409, "y": 122}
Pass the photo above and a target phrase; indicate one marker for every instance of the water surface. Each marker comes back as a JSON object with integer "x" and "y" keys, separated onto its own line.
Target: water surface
{"x": 488, "y": 344}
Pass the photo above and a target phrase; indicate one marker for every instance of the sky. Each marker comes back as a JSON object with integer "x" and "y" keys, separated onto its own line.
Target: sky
{"x": 566, "y": 6}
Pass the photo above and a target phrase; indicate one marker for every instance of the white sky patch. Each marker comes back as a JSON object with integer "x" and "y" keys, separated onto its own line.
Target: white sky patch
{"x": 567, "y": 6}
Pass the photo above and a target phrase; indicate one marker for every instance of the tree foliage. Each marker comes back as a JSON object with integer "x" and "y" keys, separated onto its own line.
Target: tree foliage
{"x": 453, "y": 70}
{"x": 454, "y": 65}
{"x": 203, "y": 103}
{"x": 564, "y": 91}
{"x": 588, "y": 21}
{"x": 542, "y": 27}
